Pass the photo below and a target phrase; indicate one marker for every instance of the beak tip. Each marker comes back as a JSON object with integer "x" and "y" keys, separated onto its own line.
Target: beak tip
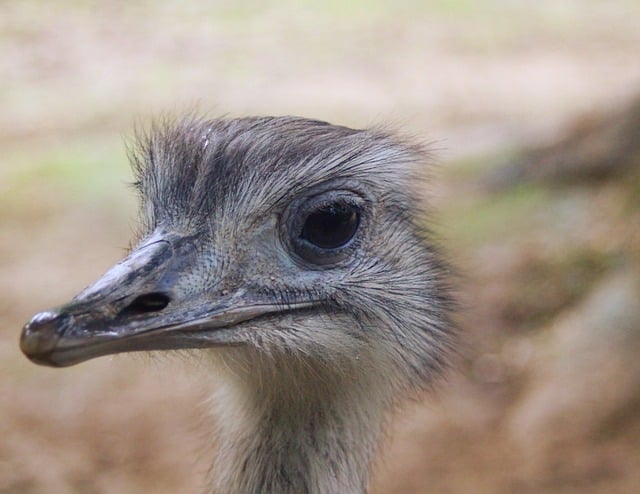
{"x": 40, "y": 336}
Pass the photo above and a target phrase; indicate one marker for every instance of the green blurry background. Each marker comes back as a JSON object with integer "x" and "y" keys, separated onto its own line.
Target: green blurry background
{"x": 530, "y": 108}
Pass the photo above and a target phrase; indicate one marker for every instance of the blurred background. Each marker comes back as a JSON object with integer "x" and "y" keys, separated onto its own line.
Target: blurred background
{"x": 533, "y": 113}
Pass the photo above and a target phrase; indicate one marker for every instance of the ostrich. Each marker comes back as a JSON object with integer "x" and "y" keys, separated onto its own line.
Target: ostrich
{"x": 289, "y": 252}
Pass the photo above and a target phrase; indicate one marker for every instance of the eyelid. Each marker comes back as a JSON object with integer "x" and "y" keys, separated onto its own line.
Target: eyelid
{"x": 323, "y": 200}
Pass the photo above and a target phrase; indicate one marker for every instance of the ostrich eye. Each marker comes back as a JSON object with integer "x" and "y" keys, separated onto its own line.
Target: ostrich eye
{"x": 331, "y": 226}
{"x": 323, "y": 230}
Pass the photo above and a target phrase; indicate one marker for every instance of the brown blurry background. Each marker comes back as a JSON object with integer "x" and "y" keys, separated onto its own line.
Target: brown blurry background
{"x": 531, "y": 109}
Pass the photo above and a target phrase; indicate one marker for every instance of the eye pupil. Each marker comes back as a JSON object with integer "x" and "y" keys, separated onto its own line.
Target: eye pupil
{"x": 332, "y": 226}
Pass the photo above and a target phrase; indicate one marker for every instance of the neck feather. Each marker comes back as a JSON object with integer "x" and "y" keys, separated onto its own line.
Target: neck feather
{"x": 296, "y": 428}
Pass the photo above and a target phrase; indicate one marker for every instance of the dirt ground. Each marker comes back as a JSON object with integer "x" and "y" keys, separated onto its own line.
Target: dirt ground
{"x": 545, "y": 397}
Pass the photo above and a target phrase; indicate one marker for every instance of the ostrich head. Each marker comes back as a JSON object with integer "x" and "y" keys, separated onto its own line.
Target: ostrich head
{"x": 289, "y": 251}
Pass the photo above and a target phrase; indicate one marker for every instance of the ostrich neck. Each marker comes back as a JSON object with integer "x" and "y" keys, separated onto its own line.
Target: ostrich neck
{"x": 308, "y": 433}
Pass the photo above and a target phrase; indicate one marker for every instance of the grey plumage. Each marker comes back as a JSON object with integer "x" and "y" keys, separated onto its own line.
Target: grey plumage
{"x": 313, "y": 345}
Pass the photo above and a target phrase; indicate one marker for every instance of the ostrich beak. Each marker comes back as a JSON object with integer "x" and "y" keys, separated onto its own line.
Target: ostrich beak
{"x": 138, "y": 306}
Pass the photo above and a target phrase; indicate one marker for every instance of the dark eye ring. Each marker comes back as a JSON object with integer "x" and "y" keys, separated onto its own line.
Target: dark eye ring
{"x": 325, "y": 227}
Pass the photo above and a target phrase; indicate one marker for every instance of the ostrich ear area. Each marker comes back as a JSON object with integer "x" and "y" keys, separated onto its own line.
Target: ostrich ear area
{"x": 133, "y": 307}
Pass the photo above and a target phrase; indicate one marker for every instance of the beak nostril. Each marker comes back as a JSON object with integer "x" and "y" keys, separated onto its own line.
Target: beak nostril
{"x": 149, "y": 302}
